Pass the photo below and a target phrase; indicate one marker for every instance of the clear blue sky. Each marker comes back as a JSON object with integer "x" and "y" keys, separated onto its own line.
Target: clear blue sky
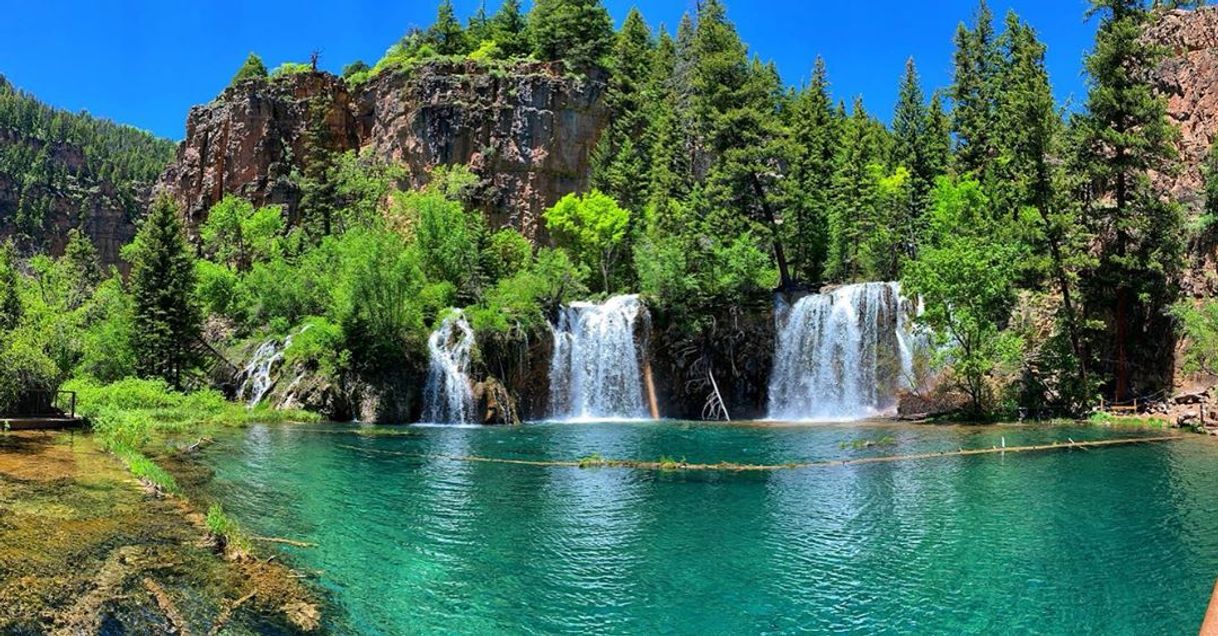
{"x": 145, "y": 62}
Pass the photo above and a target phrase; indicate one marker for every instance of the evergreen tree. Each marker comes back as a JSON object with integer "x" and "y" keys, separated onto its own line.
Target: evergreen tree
{"x": 167, "y": 323}
{"x": 579, "y": 32}
{"x": 1029, "y": 136}
{"x": 911, "y": 150}
{"x": 737, "y": 110}
{"x": 1125, "y": 135}
{"x": 83, "y": 267}
{"x": 938, "y": 142}
{"x": 508, "y": 28}
{"x": 815, "y": 130}
{"x": 853, "y": 194}
{"x": 446, "y": 35}
{"x": 478, "y": 29}
{"x": 622, "y": 153}
{"x": 973, "y": 93}
{"x": 252, "y": 68}
{"x": 673, "y": 128}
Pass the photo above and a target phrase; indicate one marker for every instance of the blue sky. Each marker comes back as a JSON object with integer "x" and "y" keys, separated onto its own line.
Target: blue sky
{"x": 145, "y": 62}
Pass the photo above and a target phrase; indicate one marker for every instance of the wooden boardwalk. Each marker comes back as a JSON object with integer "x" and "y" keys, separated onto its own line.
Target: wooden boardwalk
{"x": 60, "y": 423}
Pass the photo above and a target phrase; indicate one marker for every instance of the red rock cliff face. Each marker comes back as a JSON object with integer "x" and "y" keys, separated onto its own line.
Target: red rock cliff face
{"x": 528, "y": 133}
{"x": 1189, "y": 81}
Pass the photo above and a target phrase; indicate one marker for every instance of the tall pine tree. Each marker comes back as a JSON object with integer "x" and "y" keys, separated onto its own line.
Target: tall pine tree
{"x": 974, "y": 93}
{"x": 623, "y": 154}
{"x": 815, "y": 130}
{"x": 1124, "y": 136}
{"x": 579, "y": 32}
{"x": 167, "y": 322}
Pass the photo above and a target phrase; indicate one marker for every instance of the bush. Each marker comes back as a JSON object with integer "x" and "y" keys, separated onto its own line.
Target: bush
{"x": 290, "y": 68}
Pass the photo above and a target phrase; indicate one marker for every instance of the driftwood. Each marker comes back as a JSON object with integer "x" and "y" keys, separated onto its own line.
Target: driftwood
{"x": 176, "y": 620}
{"x": 733, "y": 467}
{"x": 291, "y": 542}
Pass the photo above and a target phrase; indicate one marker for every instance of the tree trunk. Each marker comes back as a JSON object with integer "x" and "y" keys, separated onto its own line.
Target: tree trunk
{"x": 784, "y": 271}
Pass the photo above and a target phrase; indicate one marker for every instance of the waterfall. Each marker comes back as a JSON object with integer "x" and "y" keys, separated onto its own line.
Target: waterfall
{"x": 843, "y": 355}
{"x": 258, "y": 380}
{"x": 449, "y": 397}
{"x": 594, "y": 370}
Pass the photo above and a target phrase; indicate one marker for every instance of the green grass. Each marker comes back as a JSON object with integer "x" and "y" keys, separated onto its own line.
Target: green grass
{"x": 128, "y": 415}
{"x": 591, "y": 461}
{"x": 1129, "y": 421}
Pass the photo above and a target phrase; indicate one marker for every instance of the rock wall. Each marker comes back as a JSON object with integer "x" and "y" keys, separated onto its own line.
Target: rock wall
{"x": 1188, "y": 78}
{"x": 528, "y": 132}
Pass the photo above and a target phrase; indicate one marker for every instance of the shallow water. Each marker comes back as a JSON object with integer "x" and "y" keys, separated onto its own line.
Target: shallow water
{"x": 1113, "y": 540}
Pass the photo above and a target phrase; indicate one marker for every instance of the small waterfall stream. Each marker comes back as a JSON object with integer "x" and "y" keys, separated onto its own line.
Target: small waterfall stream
{"x": 843, "y": 355}
{"x": 448, "y": 397}
{"x": 258, "y": 373}
{"x": 595, "y": 371}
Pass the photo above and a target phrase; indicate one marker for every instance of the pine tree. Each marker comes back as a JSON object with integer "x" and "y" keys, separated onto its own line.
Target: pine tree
{"x": 674, "y": 142}
{"x": 167, "y": 323}
{"x": 1029, "y": 136}
{"x": 815, "y": 131}
{"x": 911, "y": 151}
{"x": 446, "y": 35}
{"x": 853, "y": 194}
{"x": 508, "y": 28}
{"x": 84, "y": 269}
{"x": 579, "y": 32}
{"x": 623, "y": 153}
{"x": 1125, "y": 135}
{"x": 252, "y": 68}
{"x": 478, "y": 28}
{"x": 974, "y": 93}
{"x": 736, "y": 106}
{"x": 938, "y": 137}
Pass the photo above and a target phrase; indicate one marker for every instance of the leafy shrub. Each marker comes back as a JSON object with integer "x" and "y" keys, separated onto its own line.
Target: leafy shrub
{"x": 290, "y": 68}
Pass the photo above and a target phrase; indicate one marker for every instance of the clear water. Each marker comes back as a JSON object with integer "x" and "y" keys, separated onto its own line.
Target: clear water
{"x": 1114, "y": 540}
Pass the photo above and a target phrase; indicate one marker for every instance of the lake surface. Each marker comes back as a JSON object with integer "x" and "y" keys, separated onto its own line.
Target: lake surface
{"x": 1111, "y": 540}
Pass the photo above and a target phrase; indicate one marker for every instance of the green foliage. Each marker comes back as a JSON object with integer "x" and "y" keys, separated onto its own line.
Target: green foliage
{"x": 447, "y": 238}
{"x": 1199, "y": 326}
{"x": 237, "y": 234}
{"x": 107, "y": 352}
{"x": 1123, "y": 137}
{"x": 58, "y": 161}
{"x": 965, "y": 276}
{"x": 579, "y": 32}
{"x": 10, "y": 291}
{"x": 506, "y": 254}
{"x": 166, "y": 319}
{"x": 593, "y": 227}
{"x": 252, "y": 68}
{"x": 508, "y": 28}
{"x": 445, "y": 35}
{"x": 290, "y": 68}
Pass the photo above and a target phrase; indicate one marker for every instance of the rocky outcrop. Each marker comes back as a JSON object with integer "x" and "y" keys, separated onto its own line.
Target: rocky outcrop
{"x": 1188, "y": 78}
{"x": 251, "y": 139}
{"x": 527, "y": 131}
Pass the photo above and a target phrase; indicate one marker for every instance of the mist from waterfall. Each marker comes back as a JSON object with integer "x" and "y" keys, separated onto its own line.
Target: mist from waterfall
{"x": 843, "y": 355}
{"x": 594, "y": 370}
{"x": 448, "y": 397}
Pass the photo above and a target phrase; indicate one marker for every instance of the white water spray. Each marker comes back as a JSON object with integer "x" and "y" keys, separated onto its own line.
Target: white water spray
{"x": 258, "y": 373}
{"x": 843, "y": 355}
{"x": 594, "y": 370}
{"x": 449, "y": 397}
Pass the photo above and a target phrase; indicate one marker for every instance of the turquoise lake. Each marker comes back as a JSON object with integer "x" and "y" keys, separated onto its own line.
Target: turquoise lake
{"x": 412, "y": 540}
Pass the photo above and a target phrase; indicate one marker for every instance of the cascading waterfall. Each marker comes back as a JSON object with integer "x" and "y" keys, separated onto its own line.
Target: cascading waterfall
{"x": 258, "y": 379}
{"x": 843, "y": 355}
{"x": 449, "y": 397}
{"x": 594, "y": 370}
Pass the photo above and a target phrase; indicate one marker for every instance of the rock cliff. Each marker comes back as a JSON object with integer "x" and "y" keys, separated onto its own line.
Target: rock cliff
{"x": 527, "y": 131}
{"x": 1188, "y": 78}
